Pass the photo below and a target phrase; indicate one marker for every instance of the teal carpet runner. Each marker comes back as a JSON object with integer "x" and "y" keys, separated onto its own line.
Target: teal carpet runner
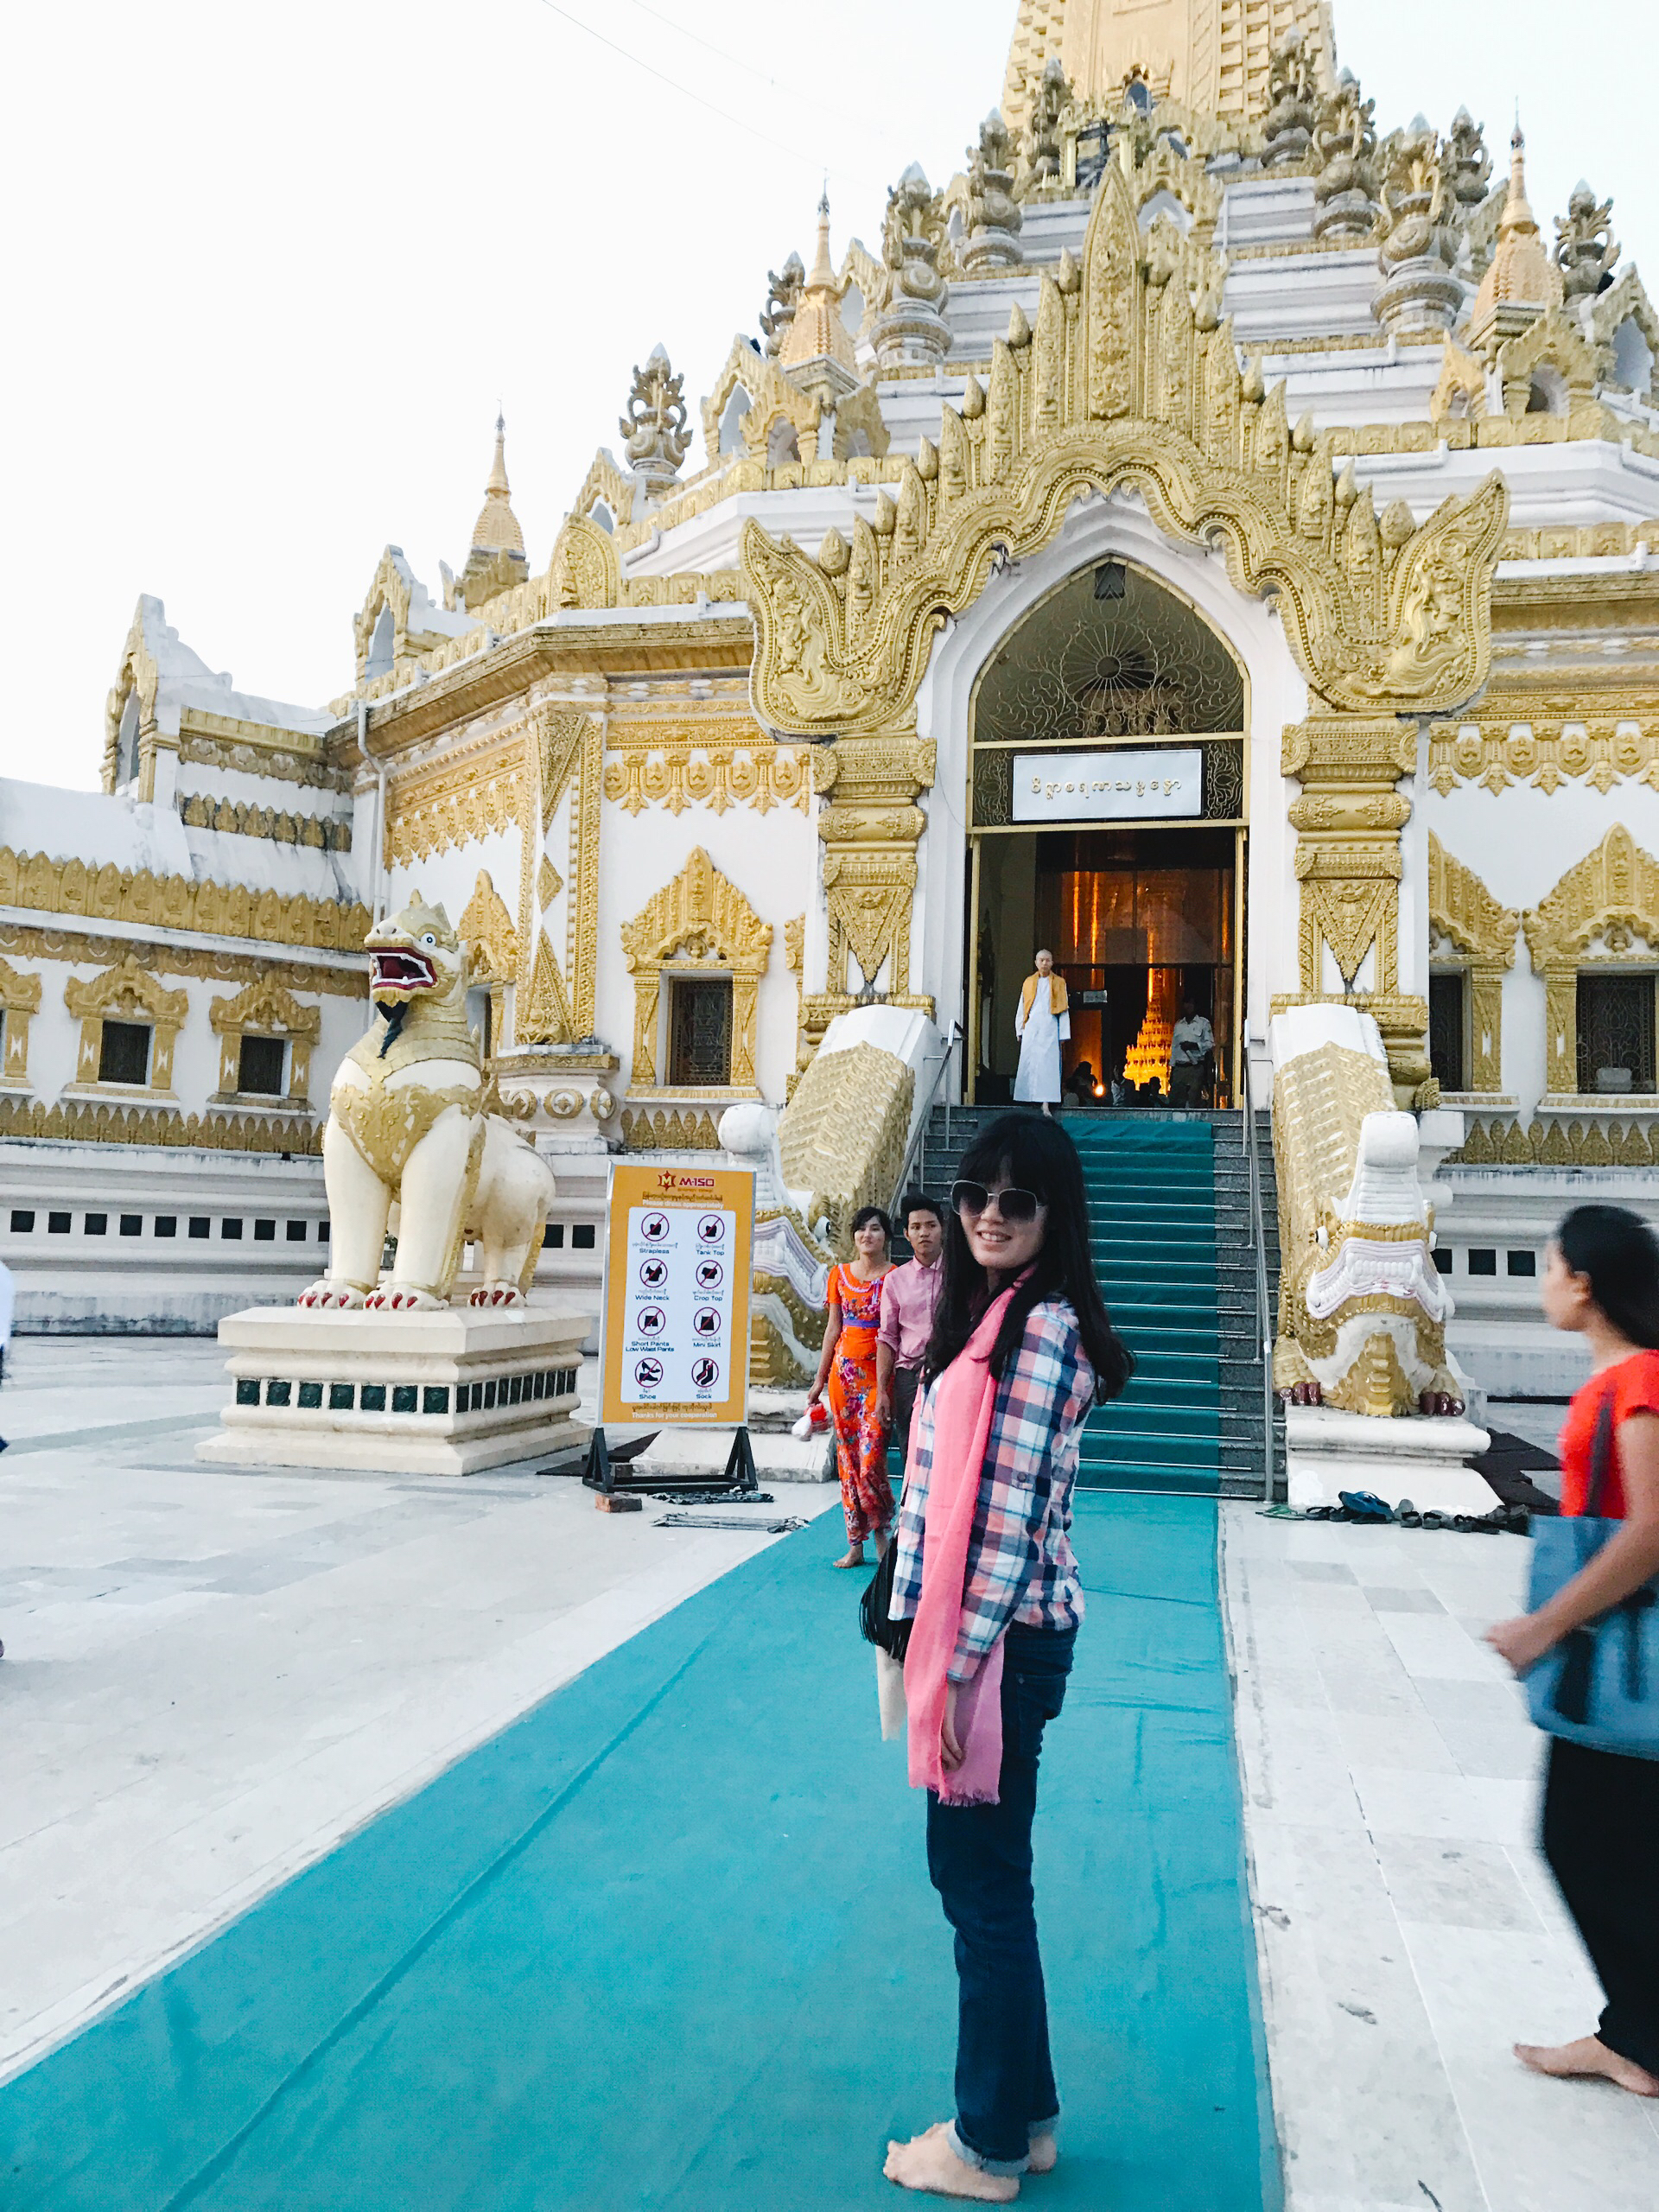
{"x": 669, "y": 1942}
{"x": 1151, "y": 1211}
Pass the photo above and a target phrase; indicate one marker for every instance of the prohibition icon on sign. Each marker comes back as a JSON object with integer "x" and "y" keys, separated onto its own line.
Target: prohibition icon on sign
{"x": 648, "y": 1373}
{"x": 706, "y": 1321}
{"x": 710, "y": 1274}
{"x": 704, "y": 1372}
{"x": 654, "y": 1274}
{"x": 655, "y": 1226}
{"x": 711, "y": 1228}
{"x": 651, "y": 1320}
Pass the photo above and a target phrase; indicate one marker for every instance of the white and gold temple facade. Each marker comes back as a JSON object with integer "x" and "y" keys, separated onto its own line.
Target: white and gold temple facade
{"x": 1202, "y": 438}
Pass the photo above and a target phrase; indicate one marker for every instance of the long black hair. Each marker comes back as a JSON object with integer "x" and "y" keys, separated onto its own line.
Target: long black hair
{"x": 1034, "y": 1153}
{"x": 1620, "y": 1254}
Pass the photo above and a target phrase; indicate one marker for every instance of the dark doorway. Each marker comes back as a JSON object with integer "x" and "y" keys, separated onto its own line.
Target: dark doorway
{"x": 1138, "y": 921}
{"x": 700, "y": 1018}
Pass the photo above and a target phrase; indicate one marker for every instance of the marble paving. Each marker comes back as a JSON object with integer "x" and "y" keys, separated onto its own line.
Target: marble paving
{"x": 1408, "y": 1930}
{"x": 210, "y": 1678}
{"x": 213, "y": 1678}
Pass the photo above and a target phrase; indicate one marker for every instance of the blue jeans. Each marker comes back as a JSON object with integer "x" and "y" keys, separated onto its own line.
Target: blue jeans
{"x": 979, "y": 1860}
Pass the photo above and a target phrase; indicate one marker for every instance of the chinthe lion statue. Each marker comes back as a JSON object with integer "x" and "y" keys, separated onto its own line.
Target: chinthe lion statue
{"x": 408, "y": 1127}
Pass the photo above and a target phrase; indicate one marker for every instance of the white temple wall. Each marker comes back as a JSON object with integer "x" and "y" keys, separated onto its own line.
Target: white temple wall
{"x": 447, "y": 879}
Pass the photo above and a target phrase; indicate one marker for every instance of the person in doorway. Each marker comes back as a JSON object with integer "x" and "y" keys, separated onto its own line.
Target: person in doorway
{"x": 1022, "y": 1347}
{"x": 846, "y": 1376}
{"x": 1601, "y": 1809}
{"x": 1042, "y": 1025}
{"x": 1191, "y": 1055}
{"x": 909, "y": 1294}
{"x": 1081, "y": 1085}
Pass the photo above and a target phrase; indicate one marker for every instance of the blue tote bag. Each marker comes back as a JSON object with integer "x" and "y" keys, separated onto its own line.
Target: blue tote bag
{"x": 1599, "y": 1686}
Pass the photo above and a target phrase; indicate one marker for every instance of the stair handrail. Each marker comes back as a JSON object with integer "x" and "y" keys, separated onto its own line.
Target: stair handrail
{"x": 1251, "y": 1146}
{"x": 919, "y": 1134}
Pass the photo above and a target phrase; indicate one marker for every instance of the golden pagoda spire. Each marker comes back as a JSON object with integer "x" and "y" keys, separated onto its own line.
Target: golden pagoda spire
{"x": 497, "y": 528}
{"x": 1522, "y": 282}
{"x": 819, "y": 346}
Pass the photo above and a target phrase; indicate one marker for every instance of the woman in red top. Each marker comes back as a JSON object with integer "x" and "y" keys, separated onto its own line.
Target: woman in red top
{"x": 1601, "y": 1810}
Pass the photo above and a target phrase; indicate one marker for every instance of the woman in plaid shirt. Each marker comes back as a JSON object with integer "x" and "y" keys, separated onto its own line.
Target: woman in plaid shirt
{"x": 1019, "y": 1216}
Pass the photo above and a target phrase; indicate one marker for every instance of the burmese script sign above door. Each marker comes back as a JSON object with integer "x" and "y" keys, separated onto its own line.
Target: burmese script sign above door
{"x": 1158, "y": 784}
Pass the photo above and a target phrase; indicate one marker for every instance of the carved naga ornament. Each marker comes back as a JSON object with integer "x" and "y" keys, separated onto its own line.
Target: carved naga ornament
{"x": 1129, "y": 377}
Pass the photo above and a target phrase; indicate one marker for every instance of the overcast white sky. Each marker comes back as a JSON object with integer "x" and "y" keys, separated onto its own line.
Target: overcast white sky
{"x": 271, "y": 271}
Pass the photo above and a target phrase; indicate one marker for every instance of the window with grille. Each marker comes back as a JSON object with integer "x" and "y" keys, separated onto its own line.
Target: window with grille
{"x": 699, "y": 1017}
{"x": 261, "y": 1066}
{"x": 1446, "y": 1055}
{"x": 1616, "y": 1033}
{"x": 123, "y": 1053}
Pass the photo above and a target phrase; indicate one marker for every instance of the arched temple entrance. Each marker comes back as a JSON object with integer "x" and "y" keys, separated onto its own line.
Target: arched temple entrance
{"x": 1107, "y": 817}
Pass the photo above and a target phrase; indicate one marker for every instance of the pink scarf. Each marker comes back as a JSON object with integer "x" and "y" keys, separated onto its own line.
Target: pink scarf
{"x": 963, "y": 1403}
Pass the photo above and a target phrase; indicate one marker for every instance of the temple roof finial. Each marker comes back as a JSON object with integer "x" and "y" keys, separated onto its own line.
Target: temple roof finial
{"x": 497, "y": 528}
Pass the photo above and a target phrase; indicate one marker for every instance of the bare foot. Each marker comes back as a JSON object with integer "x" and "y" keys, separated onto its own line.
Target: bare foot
{"x": 854, "y": 1557}
{"x": 927, "y": 2163}
{"x": 1044, "y": 2152}
{"x": 1589, "y": 2055}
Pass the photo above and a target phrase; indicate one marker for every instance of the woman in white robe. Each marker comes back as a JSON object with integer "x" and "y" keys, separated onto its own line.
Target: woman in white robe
{"x": 1042, "y": 1025}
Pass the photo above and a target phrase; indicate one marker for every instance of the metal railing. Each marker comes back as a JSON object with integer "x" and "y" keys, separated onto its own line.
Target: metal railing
{"x": 1251, "y": 1146}
{"x": 919, "y": 1134}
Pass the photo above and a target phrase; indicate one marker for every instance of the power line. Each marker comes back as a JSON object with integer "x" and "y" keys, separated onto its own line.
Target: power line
{"x": 736, "y": 122}
{"x": 733, "y": 61}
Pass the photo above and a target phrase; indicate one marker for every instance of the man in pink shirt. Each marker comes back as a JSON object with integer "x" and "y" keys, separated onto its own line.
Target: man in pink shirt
{"x": 909, "y": 1294}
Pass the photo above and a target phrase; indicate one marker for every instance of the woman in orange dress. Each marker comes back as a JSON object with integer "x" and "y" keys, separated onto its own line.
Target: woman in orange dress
{"x": 846, "y": 1376}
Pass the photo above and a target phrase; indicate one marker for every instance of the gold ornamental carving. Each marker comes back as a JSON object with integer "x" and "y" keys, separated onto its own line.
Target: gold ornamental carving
{"x": 1547, "y": 740}
{"x": 82, "y": 1121}
{"x": 485, "y": 928}
{"x": 1127, "y": 377}
{"x": 164, "y": 959}
{"x": 689, "y": 769}
{"x": 1604, "y": 912}
{"x": 177, "y": 902}
{"x": 1463, "y": 913}
{"x": 20, "y": 999}
{"x": 322, "y": 833}
{"x": 456, "y": 804}
{"x": 698, "y": 920}
{"x": 1623, "y": 1133}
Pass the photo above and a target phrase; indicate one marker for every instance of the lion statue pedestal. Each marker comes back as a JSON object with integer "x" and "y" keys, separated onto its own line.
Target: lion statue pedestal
{"x": 366, "y": 1373}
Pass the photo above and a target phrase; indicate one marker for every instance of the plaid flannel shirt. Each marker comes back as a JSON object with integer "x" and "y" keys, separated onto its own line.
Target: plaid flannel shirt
{"x": 1019, "y": 1561}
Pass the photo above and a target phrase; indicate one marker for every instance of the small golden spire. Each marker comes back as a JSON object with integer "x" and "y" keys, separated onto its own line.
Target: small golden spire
{"x": 1522, "y": 282}
{"x": 497, "y": 528}
{"x": 823, "y": 278}
{"x": 1516, "y": 220}
{"x": 817, "y": 333}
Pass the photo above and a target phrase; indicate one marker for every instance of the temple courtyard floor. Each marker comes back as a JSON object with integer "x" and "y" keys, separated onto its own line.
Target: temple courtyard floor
{"x": 389, "y": 1842}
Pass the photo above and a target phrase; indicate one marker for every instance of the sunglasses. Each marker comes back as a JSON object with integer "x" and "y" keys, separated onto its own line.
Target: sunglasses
{"x": 1014, "y": 1206}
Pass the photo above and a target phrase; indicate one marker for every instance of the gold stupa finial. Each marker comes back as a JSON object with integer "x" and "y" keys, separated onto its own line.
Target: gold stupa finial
{"x": 818, "y": 341}
{"x": 497, "y": 528}
{"x": 1522, "y": 282}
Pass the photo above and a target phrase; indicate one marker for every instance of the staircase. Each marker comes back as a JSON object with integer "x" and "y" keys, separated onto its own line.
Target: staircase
{"x": 1169, "y": 1208}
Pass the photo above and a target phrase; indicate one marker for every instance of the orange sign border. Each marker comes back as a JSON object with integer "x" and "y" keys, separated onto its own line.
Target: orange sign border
{"x": 632, "y": 1184}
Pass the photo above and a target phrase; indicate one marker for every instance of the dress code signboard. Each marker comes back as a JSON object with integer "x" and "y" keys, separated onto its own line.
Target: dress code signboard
{"x": 676, "y": 1300}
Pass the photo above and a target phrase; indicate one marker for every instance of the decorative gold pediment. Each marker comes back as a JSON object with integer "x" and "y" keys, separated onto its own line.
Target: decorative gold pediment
{"x": 138, "y": 672}
{"x": 1462, "y": 908}
{"x": 770, "y": 394}
{"x": 126, "y": 992}
{"x": 1128, "y": 378}
{"x": 701, "y": 916}
{"x": 485, "y": 928}
{"x": 584, "y": 570}
{"x": 1612, "y": 894}
{"x": 19, "y": 994}
{"x": 265, "y": 1008}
